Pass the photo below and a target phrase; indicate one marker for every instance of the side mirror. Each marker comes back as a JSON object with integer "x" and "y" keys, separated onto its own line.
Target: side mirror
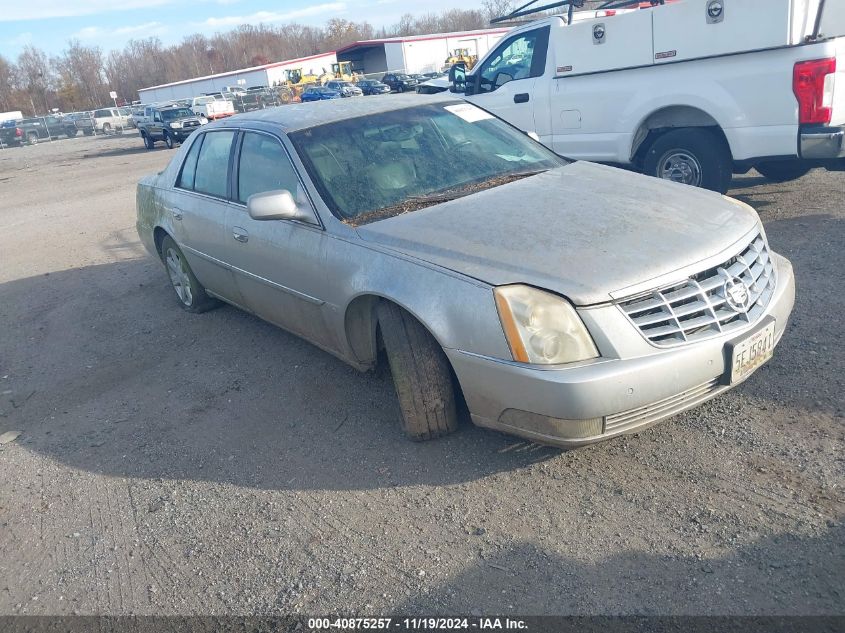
{"x": 458, "y": 77}
{"x": 278, "y": 205}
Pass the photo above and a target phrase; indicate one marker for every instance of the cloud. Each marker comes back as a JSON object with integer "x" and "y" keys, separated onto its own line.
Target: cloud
{"x": 42, "y": 9}
{"x": 274, "y": 16}
{"x": 98, "y": 33}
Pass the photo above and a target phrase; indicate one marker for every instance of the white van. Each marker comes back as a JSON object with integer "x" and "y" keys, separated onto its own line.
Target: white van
{"x": 691, "y": 91}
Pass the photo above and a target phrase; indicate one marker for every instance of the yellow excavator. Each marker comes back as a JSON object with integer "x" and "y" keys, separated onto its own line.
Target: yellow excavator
{"x": 460, "y": 55}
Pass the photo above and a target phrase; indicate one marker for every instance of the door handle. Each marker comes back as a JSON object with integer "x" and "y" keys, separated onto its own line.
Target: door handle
{"x": 240, "y": 235}
{"x": 522, "y": 97}
{"x": 176, "y": 213}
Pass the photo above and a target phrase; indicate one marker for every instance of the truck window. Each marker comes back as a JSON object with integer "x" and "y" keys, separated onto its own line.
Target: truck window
{"x": 519, "y": 57}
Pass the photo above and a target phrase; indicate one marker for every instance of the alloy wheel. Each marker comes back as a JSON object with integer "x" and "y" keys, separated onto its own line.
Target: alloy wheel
{"x": 177, "y": 269}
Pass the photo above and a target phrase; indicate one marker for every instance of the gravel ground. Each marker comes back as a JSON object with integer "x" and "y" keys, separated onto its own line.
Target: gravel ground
{"x": 172, "y": 463}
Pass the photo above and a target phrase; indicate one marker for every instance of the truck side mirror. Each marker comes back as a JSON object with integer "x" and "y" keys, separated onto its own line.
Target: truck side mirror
{"x": 458, "y": 78}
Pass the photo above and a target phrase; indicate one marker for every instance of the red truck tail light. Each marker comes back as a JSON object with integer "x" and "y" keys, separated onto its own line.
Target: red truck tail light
{"x": 812, "y": 83}
{"x": 18, "y": 131}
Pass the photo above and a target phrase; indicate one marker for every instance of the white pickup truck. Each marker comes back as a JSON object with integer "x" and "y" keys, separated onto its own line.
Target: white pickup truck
{"x": 691, "y": 91}
{"x": 212, "y": 108}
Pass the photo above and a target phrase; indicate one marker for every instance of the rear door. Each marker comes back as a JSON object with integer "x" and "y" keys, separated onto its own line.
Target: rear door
{"x": 198, "y": 207}
{"x": 279, "y": 265}
{"x": 507, "y": 79}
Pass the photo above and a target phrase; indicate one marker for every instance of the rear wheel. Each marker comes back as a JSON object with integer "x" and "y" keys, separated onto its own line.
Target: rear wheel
{"x": 149, "y": 143}
{"x": 72, "y": 133}
{"x": 169, "y": 141}
{"x": 421, "y": 375}
{"x": 191, "y": 294}
{"x": 32, "y": 138}
{"x": 782, "y": 171}
{"x": 692, "y": 156}
{"x": 106, "y": 128}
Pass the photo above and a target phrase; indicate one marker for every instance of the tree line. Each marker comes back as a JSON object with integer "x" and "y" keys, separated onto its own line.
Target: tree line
{"x": 81, "y": 77}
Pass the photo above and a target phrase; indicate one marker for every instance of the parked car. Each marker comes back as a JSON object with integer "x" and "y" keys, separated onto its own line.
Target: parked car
{"x": 110, "y": 121}
{"x": 373, "y": 87}
{"x": 399, "y": 82}
{"x": 10, "y": 134}
{"x": 82, "y": 121}
{"x": 211, "y": 108}
{"x": 45, "y": 128}
{"x": 171, "y": 124}
{"x": 675, "y": 92}
{"x": 319, "y": 93}
{"x": 242, "y": 100}
{"x": 345, "y": 88}
{"x": 434, "y": 86}
{"x": 127, "y": 112}
{"x": 563, "y": 302}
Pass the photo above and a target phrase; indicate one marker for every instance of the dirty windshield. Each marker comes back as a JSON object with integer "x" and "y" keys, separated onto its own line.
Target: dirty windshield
{"x": 384, "y": 164}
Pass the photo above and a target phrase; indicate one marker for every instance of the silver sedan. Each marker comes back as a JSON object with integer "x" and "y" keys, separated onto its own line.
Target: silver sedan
{"x": 562, "y": 302}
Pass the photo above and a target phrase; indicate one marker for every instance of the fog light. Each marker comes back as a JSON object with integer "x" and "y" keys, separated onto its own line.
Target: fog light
{"x": 553, "y": 427}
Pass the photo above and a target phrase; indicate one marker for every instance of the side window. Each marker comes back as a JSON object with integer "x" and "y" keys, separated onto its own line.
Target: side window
{"x": 519, "y": 57}
{"x": 264, "y": 166}
{"x": 213, "y": 163}
{"x": 157, "y": 116}
{"x": 189, "y": 168}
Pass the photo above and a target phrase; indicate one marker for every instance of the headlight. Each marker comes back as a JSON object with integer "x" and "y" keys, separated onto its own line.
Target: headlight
{"x": 176, "y": 125}
{"x": 542, "y": 328}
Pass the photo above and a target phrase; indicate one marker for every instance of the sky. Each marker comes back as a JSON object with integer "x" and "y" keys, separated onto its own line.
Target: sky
{"x": 109, "y": 24}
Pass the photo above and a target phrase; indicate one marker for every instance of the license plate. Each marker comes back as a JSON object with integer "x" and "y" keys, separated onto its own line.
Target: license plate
{"x": 751, "y": 352}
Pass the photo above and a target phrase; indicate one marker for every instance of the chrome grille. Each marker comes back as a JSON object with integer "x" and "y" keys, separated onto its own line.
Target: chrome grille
{"x": 698, "y": 308}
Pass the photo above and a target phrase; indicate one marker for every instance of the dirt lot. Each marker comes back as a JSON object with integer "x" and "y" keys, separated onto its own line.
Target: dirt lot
{"x": 175, "y": 464}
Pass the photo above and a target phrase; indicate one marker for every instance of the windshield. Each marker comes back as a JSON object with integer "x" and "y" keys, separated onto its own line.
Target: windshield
{"x": 385, "y": 164}
{"x": 176, "y": 113}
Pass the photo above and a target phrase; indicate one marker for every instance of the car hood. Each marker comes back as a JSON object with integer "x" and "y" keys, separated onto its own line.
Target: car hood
{"x": 585, "y": 231}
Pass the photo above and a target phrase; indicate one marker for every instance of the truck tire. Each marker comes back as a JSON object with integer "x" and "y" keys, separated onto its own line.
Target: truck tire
{"x": 421, "y": 375}
{"x": 169, "y": 141}
{"x": 149, "y": 143}
{"x": 71, "y": 133}
{"x": 190, "y": 292}
{"x": 106, "y": 128}
{"x": 692, "y": 156}
{"x": 32, "y": 138}
{"x": 783, "y": 170}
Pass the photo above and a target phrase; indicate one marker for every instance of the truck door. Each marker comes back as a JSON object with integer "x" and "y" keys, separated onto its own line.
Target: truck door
{"x": 505, "y": 82}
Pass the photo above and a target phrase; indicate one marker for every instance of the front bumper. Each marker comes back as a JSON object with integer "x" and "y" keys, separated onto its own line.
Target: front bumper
{"x": 819, "y": 142}
{"x": 600, "y": 399}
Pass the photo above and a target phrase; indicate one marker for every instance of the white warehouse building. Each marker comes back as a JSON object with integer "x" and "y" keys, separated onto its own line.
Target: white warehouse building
{"x": 265, "y": 75}
{"x": 416, "y": 53}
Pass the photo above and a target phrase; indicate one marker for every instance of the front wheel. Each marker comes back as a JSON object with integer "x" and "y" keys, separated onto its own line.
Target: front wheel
{"x": 192, "y": 296}
{"x": 421, "y": 375}
{"x": 783, "y": 171}
{"x": 696, "y": 157}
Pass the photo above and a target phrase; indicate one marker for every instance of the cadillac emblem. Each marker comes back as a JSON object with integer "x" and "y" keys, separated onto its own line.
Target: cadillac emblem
{"x": 736, "y": 294}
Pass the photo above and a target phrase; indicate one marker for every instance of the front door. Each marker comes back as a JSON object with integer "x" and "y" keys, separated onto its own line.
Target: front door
{"x": 279, "y": 265}
{"x": 506, "y": 81}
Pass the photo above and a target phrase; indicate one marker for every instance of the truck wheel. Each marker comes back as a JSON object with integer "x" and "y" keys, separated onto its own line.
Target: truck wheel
{"x": 149, "y": 143}
{"x": 169, "y": 143}
{"x": 32, "y": 138}
{"x": 691, "y": 156}
{"x": 191, "y": 294}
{"x": 421, "y": 375}
{"x": 106, "y": 128}
{"x": 71, "y": 133}
{"x": 783, "y": 170}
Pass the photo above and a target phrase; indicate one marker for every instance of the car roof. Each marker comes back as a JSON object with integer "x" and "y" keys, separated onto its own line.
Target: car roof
{"x": 299, "y": 116}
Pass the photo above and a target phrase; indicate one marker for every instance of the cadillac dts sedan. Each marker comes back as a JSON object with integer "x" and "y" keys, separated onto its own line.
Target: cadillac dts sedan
{"x": 563, "y": 302}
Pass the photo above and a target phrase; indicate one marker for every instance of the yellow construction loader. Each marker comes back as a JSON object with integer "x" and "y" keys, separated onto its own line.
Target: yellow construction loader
{"x": 460, "y": 55}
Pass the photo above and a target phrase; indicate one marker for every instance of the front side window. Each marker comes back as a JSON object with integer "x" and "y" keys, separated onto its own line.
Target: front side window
{"x": 520, "y": 57}
{"x": 213, "y": 163}
{"x": 380, "y": 165}
{"x": 264, "y": 166}
{"x": 102, "y": 114}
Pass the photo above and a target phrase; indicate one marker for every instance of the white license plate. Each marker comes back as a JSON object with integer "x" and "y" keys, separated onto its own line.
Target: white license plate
{"x": 752, "y": 352}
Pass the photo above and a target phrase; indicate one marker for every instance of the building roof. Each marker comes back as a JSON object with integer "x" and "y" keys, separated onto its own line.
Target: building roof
{"x": 241, "y": 71}
{"x": 420, "y": 38}
{"x": 298, "y": 116}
